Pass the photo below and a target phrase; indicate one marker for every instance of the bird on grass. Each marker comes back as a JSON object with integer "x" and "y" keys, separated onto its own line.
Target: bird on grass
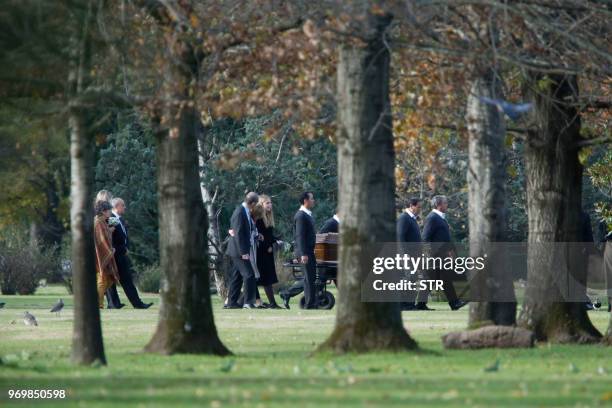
{"x": 513, "y": 110}
{"x": 57, "y": 308}
{"x": 29, "y": 319}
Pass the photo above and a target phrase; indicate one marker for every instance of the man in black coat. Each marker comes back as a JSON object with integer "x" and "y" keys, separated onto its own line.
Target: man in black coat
{"x": 437, "y": 233}
{"x": 239, "y": 250}
{"x": 124, "y": 265}
{"x": 331, "y": 225}
{"x": 305, "y": 239}
{"x": 408, "y": 235}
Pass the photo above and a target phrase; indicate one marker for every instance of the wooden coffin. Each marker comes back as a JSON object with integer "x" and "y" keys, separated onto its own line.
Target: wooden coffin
{"x": 326, "y": 247}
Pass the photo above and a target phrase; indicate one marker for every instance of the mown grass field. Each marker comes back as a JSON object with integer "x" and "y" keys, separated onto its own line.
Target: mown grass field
{"x": 272, "y": 365}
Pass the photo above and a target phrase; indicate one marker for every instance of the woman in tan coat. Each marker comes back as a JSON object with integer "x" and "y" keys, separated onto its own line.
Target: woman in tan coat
{"x": 106, "y": 268}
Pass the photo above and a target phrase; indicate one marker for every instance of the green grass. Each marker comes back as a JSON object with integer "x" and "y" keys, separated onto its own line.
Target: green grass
{"x": 272, "y": 366}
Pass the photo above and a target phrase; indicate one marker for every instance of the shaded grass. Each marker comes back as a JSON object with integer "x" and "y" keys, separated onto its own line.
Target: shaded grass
{"x": 272, "y": 365}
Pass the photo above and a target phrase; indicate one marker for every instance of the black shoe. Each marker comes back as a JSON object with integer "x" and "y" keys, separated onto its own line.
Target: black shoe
{"x": 274, "y": 306}
{"x": 285, "y": 302}
{"x": 422, "y": 306}
{"x": 144, "y": 306}
{"x": 457, "y": 304}
{"x": 589, "y": 306}
{"x": 116, "y": 307}
{"x": 232, "y": 307}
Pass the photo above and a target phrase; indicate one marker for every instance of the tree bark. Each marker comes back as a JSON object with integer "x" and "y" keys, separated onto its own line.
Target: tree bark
{"x": 554, "y": 184}
{"x": 366, "y": 185}
{"x": 608, "y": 337}
{"x": 186, "y": 323}
{"x": 486, "y": 178}
{"x": 87, "y": 344}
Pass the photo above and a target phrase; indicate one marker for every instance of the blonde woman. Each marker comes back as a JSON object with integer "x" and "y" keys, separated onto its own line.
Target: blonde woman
{"x": 103, "y": 195}
{"x": 265, "y": 249}
{"x": 106, "y": 268}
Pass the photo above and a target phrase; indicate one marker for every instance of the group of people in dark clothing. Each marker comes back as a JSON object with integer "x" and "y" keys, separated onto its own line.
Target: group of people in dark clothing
{"x": 435, "y": 230}
{"x": 252, "y": 240}
{"x": 251, "y": 248}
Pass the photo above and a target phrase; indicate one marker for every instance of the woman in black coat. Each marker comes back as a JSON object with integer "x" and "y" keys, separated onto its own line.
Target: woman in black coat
{"x": 265, "y": 250}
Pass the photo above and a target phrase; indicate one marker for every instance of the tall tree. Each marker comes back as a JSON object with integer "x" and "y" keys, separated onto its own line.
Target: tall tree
{"x": 366, "y": 188}
{"x": 554, "y": 184}
{"x": 186, "y": 323}
{"x": 87, "y": 345}
{"x": 486, "y": 178}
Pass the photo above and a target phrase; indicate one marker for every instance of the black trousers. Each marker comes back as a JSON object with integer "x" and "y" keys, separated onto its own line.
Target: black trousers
{"x": 449, "y": 288}
{"x": 242, "y": 274}
{"x": 310, "y": 291}
{"x": 124, "y": 267}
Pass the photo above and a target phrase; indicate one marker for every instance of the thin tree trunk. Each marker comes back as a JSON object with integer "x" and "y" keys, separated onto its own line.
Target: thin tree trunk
{"x": 366, "y": 187}
{"x": 186, "y": 323}
{"x": 87, "y": 344}
{"x": 554, "y": 189}
{"x": 486, "y": 178}
{"x": 214, "y": 241}
{"x": 608, "y": 338}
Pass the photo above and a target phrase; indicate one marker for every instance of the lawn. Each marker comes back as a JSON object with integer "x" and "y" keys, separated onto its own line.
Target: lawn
{"x": 272, "y": 365}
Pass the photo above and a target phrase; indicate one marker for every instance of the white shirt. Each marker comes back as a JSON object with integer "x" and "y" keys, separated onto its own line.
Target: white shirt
{"x": 306, "y": 210}
{"x": 440, "y": 213}
{"x": 248, "y": 213}
{"x": 120, "y": 224}
{"x": 410, "y": 214}
{"x": 335, "y": 217}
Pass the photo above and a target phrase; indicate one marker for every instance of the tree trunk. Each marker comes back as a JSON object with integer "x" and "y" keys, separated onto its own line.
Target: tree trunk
{"x": 214, "y": 241}
{"x": 554, "y": 184}
{"x": 608, "y": 338}
{"x": 486, "y": 177}
{"x": 186, "y": 323}
{"x": 87, "y": 345}
{"x": 366, "y": 187}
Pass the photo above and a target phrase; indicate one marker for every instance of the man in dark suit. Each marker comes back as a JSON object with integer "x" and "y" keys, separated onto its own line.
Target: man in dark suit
{"x": 239, "y": 250}
{"x": 437, "y": 233}
{"x": 331, "y": 225}
{"x": 305, "y": 239}
{"x": 408, "y": 232}
{"x": 124, "y": 265}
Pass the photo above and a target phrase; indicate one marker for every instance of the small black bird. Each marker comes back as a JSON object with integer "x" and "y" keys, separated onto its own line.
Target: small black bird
{"x": 57, "y": 308}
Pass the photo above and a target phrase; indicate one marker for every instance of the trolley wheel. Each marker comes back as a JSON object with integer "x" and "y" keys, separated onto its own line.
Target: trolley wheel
{"x": 327, "y": 301}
